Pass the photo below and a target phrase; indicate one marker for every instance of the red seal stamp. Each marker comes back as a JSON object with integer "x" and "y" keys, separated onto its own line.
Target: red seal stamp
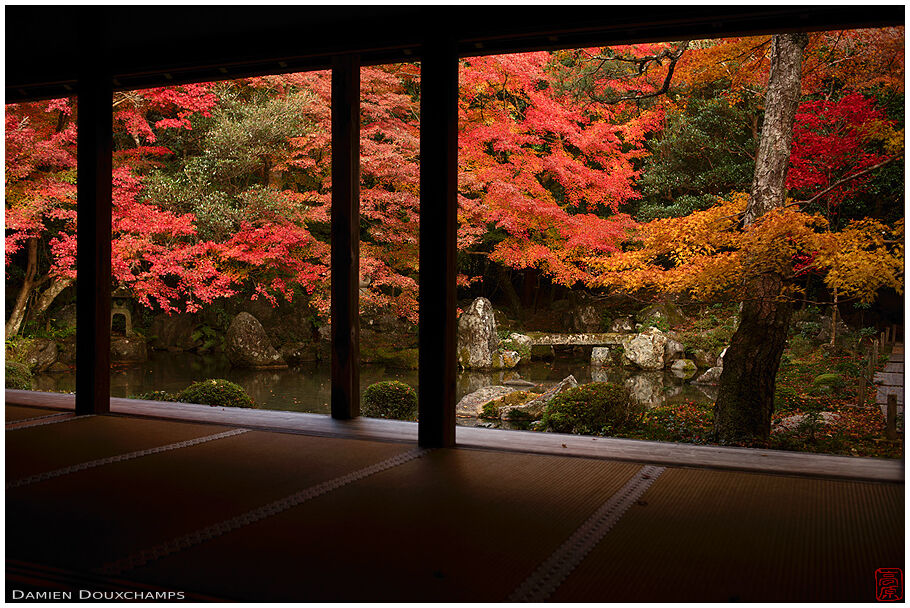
{"x": 889, "y": 585}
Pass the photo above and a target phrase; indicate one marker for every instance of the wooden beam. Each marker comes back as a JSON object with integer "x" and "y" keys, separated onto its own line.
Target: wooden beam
{"x": 438, "y": 218}
{"x": 93, "y": 220}
{"x": 345, "y": 237}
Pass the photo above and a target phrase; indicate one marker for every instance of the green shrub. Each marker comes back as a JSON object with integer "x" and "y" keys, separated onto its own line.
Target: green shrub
{"x": 523, "y": 350}
{"x": 598, "y": 408}
{"x": 17, "y": 348}
{"x": 217, "y": 392}
{"x": 390, "y": 399}
{"x": 155, "y": 396}
{"x": 490, "y": 411}
{"x": 18, "y": 376}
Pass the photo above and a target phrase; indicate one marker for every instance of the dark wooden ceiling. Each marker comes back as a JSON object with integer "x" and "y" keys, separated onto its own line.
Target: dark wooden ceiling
{"x": 157, "y": 45}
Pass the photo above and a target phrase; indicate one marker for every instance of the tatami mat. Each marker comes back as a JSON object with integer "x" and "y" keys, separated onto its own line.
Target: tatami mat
{"x": 160, "y": 496}
{"x": 453, "y": 525}
{"x": 456, "y": 525}
{"x": 44, "y": 448}
{"x": 709, "y": 536}
{"x": 17, "y": 412}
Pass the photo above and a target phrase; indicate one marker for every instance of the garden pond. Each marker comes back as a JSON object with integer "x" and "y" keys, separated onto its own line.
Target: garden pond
{"x": 307, "y": 388}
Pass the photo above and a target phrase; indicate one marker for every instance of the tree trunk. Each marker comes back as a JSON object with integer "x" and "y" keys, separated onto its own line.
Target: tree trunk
{"x": 745, "y": 399}
{"x": 50, "y": 294}
{"x": 17, "y": 316}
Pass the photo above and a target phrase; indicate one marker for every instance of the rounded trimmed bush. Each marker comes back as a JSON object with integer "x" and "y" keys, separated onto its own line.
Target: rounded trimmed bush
{"x": 18, "y": 376}
{"x": 217, "y": 392}
{"x": 390, "y": 399}
{"x": 598, "y": 408}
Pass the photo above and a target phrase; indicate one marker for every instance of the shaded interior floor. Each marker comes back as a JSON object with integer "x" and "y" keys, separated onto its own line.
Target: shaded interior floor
{"x": 128, "y": 503}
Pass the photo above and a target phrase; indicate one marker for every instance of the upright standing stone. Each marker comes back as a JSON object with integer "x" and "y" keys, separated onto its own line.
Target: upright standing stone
{"x": 247, "y": 344}
{"x": 477, "y": 339}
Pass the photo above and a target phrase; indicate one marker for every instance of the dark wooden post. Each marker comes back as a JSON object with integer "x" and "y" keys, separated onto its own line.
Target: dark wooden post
{"x": 345, "y": 237}
{"x": 438, "y": 217}
{"x": 891, "y": 417}
{"x": 93, "y": 220}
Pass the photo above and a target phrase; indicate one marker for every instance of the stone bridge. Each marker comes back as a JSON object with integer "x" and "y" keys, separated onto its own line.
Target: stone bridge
{"x": 602, "y": 339}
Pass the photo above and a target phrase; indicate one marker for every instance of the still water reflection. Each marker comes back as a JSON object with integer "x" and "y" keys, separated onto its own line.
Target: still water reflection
{"x": 307, "y": 388}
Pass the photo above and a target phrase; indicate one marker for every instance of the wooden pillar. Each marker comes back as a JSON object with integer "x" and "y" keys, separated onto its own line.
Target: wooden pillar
{"x": 438, "y": 217}
{"x": 345, "y": 237}
{"x": 93, "y": 220}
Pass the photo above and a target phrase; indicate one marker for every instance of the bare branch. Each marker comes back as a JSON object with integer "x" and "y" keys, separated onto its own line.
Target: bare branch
{"x": 843, "y": 181}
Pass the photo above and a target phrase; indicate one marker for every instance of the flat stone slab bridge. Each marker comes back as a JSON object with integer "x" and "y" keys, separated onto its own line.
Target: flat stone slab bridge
{"x": 601, "y": 339}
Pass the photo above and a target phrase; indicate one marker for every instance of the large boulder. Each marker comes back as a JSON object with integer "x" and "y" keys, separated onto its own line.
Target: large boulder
{"x": 704, "y": 358}
{"x": 586, "y": 318}
{"x": 40, "y": 354}
{"x": 133, "y": 349}
{"x": 712, "y": 376}
{"x": 720, "y": 358}
{"x": 173, "y": 332}
{"x": 477, "y": 339}
{"x": 601, "y": 356}
{"x": 661, "y": 312}
{"x": 646, "y": 350}
{"x": 824, "y": 333}
{"x": 673, "y": 350}
{"x": 471, "y": 405}
{"x": 247, "y": 344}
{"x": 535, "y": 407}
{"x": 623, "y": 325}
{"x": 683, "y": 368}
{"x": 505, "y": 359}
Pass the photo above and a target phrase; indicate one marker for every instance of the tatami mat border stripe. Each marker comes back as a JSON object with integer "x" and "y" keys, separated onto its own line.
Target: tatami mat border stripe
{"x": 13, "y": 423}
{"x": 70, "y": 416}
{"x": 250, "y": 517}
{"x": 25, "y": 481}
{"x": 544, "y": 581}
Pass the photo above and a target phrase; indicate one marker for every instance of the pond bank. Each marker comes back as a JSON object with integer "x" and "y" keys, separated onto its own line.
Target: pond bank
{"x": 307, "y": 387}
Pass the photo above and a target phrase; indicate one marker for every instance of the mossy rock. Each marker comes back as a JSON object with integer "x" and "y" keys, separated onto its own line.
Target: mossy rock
{"x": 492, "y": 409}
{"x": 832, "y": 380}
{"x": 662, "y": 312}
{"x": 217, "y": 392}
{"x": 18, "y": 376}
{"x": 390, "y": 399}
{"x": 598, "y": 408}
{"x": 522, "y": 347}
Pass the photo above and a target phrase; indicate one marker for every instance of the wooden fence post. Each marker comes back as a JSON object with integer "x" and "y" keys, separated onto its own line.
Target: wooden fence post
{"x": 891, "y": 417}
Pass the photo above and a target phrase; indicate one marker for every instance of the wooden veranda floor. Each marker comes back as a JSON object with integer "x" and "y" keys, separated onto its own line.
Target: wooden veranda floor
{"x": 135, "y": 505}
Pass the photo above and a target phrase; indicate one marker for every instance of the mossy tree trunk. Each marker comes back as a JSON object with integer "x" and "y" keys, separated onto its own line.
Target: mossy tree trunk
{"x": 745, "y": 398}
